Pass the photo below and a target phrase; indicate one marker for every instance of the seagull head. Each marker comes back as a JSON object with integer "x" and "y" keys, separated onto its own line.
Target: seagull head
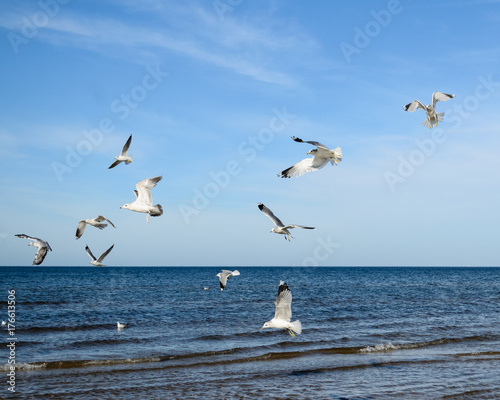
{"x": 313, "y": 151}
{"x": 266, "y": 325}
{"x": 124, "y": 206}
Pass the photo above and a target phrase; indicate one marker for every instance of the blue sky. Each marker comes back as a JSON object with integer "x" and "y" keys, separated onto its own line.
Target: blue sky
{"x": 212, "y": 91}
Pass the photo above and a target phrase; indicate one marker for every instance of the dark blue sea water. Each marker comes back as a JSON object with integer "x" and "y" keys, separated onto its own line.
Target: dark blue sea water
{"x": 368, "y": 333}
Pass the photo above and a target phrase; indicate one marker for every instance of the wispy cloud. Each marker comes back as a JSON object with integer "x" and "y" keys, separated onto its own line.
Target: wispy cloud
{"x": 254, "y": 50}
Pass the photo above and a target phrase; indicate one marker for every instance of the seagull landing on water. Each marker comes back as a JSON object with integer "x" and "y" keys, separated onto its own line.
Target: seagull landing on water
{"x": 432, "y": 117}
{"x": 97, "y": 222}
{"x": 98, "y": 261}
{"x": 224, "y": 276}
{"x": 123, "y": 157}
{"x": 321, "y": 156}
{"x": 144, "y": 201}
{"x": 283, "y": 312}
{"x": 278, "y": 225}
{"x": 40, "y": 244}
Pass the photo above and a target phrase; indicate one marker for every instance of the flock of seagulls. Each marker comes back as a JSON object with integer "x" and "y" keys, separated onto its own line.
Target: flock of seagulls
{"x": 143, "y": 203}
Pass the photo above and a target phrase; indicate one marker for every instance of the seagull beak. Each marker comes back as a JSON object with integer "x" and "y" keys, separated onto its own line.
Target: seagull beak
{"x": 309, "y": 152}
{"x": 261, "y": 328}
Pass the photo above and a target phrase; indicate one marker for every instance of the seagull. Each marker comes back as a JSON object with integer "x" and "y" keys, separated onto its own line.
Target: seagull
{"x": 321, "y": 156}
{"x": 224, "y": 276}
{"x": 123, "y": 155}
{"x": 432, "y": 117}
{"x": 97, "y": 222}
{"x": 40, "y": 244}
{"x": 283, "y": 312}
{"x": 144, "y": 201}
{"x": 98, "y": 261}
{"x": 121, "y": 326}
{"x": 3, "y": 322}
{"x": 278, "y": 225}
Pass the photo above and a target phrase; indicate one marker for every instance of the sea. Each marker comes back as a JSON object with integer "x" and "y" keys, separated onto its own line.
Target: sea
{"x": 368, "y": 333}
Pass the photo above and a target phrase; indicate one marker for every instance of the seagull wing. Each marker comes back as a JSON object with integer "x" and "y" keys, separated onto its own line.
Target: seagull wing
{"x": 306, "y": 165}
{"x": 23, "y": 236}
{"x": 80, "y": 228}
{"x": 87, "y": 248}
{"x": 283, "y": 302}
{"x": 298, "y": 226}
{"x": 101, "y": 218}
{"x": 269, "y": 213}
{"x": 144, "y": 190}
{"x": 40, "y": 255}
{"x": 126, "y": 146}
{"x": 438, "y": 96}
{"x": 114, "y": 164}
{"x": 414, "y": 105}
{"x": 103, "y": 255}
{"x": 317, "y": 144}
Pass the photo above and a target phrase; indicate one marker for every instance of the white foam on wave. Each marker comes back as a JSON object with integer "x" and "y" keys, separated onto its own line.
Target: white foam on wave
{"x": 379, "y": 348}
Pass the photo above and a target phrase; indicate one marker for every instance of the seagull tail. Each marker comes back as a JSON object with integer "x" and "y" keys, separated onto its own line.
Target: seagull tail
{"x": 440, "y": 116}
{"x": 129, "y": 161}
{"x": 296, "y": 327}
{"x": 427, "y": 124}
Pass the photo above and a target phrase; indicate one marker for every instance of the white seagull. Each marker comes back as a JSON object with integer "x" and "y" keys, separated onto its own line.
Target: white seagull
{"x": 123, "y": 155}
{"x": 224, "y": 276}
{"x": 98, "y": 261}
{"x": 321, "y": 156}
{"x": 3, "y": 322}
{"x": 283, "y": 312}
{"x": 120, "y": 326}
{"x": 97, "y": 222}
{"x": 40, "y": 244}
{"x": 144, "y": 201}
{"x": 432, "y": 117}
{"x": 278, "y": 225}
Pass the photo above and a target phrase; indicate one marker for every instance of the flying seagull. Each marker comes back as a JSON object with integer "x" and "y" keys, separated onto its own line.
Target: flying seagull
{"x": 40, "y": 244}
{"x": 278, "y": 225}
{"x": 432, "y": 117}
{"x": 98, "y": 261}
{"x": 123, "y": 155}
{"x": 283, "y": 312}
{"x": 97, "y": 222}
{"x": 224, "y": 276}
{"x": 144, "y": 201}
{"x": 321, "y": 156}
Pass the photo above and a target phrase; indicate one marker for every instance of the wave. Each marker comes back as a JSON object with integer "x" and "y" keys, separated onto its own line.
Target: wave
{"x": 254, "y": 354}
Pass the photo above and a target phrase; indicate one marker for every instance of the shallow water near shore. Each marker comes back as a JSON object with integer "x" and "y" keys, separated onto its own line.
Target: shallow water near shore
{"x": 368, "y": 333}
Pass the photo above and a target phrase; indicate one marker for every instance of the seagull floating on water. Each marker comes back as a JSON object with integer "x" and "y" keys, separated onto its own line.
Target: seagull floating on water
{"x": 40, "y": 244}
{"x": 97, "y": 222}
{"x": 432, "y": 117}
{"x": 3, "y": 322}
{"x": 98, "y": 261}
{"x": 279, "y": 227}
{"x": 121, "y": 326}
{"x": 224, "y": 276}
{"x": 283, "y": 312}
{"x": 123, "y": 157}
{"x": 321, "y": 156}
{"x": 144, "y": 201}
